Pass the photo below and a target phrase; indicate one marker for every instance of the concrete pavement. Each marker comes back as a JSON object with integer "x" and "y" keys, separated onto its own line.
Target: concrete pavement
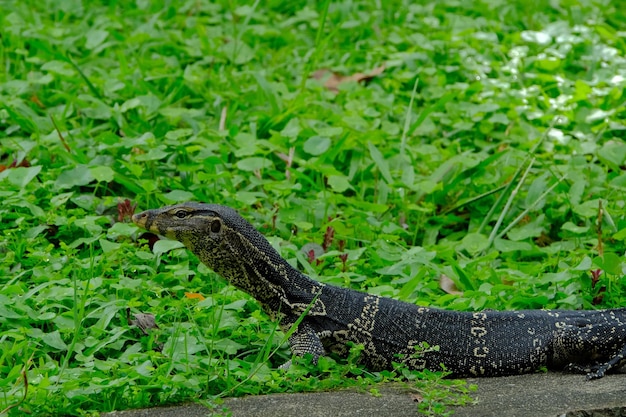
{"x": 535, "y": 395}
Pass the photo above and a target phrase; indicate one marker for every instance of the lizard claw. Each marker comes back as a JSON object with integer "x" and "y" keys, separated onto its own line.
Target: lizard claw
{"x": 598, "y": 373}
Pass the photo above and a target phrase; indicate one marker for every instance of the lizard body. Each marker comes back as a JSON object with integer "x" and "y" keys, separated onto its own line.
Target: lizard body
{"x": 489, "y": 343}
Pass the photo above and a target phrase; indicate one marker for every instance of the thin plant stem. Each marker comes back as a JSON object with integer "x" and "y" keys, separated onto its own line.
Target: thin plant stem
{"x": 508, "y": 204}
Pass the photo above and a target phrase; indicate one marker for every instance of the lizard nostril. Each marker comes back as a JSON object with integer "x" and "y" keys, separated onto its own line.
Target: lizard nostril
{"x": 139, "y": 217}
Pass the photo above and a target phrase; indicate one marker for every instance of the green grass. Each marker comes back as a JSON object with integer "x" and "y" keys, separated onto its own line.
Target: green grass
{"x": 491, "y": 150}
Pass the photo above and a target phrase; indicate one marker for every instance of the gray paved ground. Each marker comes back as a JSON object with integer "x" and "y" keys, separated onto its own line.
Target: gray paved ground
{"x": 536, "y": 395}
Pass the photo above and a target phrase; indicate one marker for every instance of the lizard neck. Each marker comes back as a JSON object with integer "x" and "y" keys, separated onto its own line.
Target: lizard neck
{"x": 252, "y": 265}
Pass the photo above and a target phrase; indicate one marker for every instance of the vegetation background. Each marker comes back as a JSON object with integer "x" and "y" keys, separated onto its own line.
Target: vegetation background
{"x": 482, "y": 167}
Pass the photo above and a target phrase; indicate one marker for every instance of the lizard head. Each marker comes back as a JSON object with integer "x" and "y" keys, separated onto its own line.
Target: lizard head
{"x": 220, "y": 238}
{"x": 186, "y": 222}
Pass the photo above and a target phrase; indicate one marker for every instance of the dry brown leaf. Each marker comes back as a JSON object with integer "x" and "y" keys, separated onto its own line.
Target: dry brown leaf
{"x": 144, "y": 321}
{"x": 332, "y": 80}
{"x": 446, "y": 284}
{"x": 222, "y": 125}
{"x": 15, "y": 164}
{"x": 416, "y": 398}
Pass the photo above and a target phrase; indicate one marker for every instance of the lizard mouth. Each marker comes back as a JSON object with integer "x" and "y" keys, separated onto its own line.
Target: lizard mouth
{"x": 142, "y": 220}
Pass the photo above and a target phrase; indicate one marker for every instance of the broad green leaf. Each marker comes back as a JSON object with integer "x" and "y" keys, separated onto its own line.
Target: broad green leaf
{"x": 613, "y": 154}
{"x": 237, "y": 51}
{"x": 408, "y": 175}
{"x": 536, "y": 189}
{"x": 549, "y": 64}
{"x": 96, "y": 108}
{"x": 165, "y": 245}
{"x": 120, "y": 229}
{"x": 303, "y": 226}
{"x": 108, "y": 246}
{"x": 177, "y": 196}
{"x": 59, "y": 67}
{"x": 254, "y": 163}
{"x": 339, "y": 183}
{"x": 35, "y": 231}
{"x": 148, "y": 185}
{"x": 619, "y": 182}
{"x": 90, "y": 224}
{"x": 620, "y": 235}
{"x": 21, "y": 176}
{"x": 576, "y": 191}
{"x": 381, "y": 163}
{"x": 35, "y": 210}
{"x": 582, "y": 91}
{"x": 102, "y": 173}
{"x": 249, "y": 198}
{"x": 417, "y": 254}
{"x": 8, "y": 313}
{"x": 505, "y": 245}
{"x": 145, "y": 369}
{"x": 555, "y": 278}
{"x": 292, "y": 129}
{"x": 571, "y": 227}
{"x": 95, "y": 37}
{"x": 147, "y": 103}
{"x": 584, "y": 265}
{"x": 474, "y": 243}
{"x": 528, "y": 230}
{"x": 270, "y": 93}
{"x": 60, "y": 199}
{"x": 610, "y": 263}
{"x": 153, "y": 154}
{"x": 246, "y": 144}
{"x": 588, "y": 208}
{"x": 86, "y": 241}
{"x": 49, "y": 315}
{"x": 499, "y": 118}
{"x": 228, "y": 346}
{"x": 77, "y": 176}
{"x": 316, "y": 145}
{"x": 130, "y": 104}
{"x": 178, "y": 134}
{"x": 85, "y": 201}
{"x": 383, "y": 290}
{"x": 53, "y": 339}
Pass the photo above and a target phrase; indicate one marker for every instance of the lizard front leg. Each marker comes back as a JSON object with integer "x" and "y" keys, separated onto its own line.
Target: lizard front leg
{"x": 617, "y": 361}
{"x": 305, "y": 340}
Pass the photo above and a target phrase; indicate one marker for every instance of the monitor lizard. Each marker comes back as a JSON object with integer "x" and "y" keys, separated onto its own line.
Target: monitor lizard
{"x": 486, "y": 343}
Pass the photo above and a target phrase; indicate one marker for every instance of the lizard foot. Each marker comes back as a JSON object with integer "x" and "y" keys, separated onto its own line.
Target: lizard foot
{"x": 594, "y": 371}
{"x": 616, "y": 361}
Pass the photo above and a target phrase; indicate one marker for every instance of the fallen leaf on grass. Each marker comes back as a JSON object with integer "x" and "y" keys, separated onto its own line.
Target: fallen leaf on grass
{"x": 15, "y": 164}
{"x": 194, "y": 296}
{"x": 332, "y": 80}
{"x": 416, "y": 398}
{"x": 446, "y": 284}
{"x": 144, "y": 321}
{"x": 38, "y": 102}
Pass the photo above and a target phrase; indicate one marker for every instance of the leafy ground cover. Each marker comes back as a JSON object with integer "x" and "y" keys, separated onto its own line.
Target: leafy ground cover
{"x": 464, "y": 155}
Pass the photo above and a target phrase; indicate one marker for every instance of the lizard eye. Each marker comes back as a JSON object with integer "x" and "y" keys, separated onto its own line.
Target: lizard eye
{"x": 216, "y": 226}
{"x": 181, "y": 214}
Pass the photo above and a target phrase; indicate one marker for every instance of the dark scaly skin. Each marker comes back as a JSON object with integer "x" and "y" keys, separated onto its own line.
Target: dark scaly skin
{"x": 490, "y": 343}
